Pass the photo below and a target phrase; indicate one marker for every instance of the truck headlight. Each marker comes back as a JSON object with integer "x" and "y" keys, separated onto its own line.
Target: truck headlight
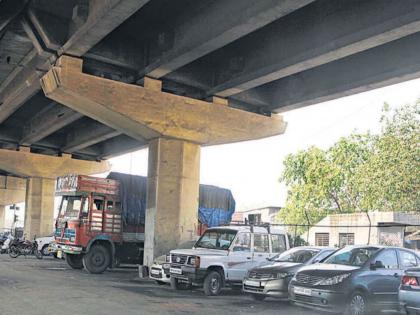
{"x": 195, "y": 261}
{"x": 334, "y": 280}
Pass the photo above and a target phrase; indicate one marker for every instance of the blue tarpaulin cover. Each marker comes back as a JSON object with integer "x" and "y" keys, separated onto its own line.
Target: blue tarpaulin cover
{"x": 216, "y": 205}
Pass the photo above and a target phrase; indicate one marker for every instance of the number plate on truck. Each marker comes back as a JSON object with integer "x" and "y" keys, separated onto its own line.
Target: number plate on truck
{"x": 155, "y": 271}
{"x": 303, "y": 291}
{"x": 177, "y": 271}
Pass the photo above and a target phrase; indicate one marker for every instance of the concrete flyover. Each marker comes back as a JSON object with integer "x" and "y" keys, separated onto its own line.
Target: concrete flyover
{"x": 82, "y": 81}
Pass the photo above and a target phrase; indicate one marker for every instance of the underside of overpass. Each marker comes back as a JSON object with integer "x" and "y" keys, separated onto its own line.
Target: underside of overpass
{"x": 82, "y": 81}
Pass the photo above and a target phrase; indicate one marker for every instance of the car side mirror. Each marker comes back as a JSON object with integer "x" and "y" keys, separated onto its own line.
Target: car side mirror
{"x": 377, "y": 265}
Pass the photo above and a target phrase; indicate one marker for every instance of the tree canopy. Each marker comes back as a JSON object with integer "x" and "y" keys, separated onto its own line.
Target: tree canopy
{"x": 359, "y": 173}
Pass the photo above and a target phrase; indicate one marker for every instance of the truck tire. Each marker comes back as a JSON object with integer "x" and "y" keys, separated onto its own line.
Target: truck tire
{"x": 74, "y": 261}
{"x": 97, "y": 260}
{"x": 213, "y": 283}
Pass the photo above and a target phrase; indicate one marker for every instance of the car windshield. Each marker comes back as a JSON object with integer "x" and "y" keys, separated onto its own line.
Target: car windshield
{"x": 70, "y": 206}
{"x": 216, "y": 239}
{"x": 352, "y": 256}
{"x": 296, "y": 255}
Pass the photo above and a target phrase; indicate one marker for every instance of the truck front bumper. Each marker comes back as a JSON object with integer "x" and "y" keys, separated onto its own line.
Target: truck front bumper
{"x": 69, "y": 249}
{"x": 188, "y": 274}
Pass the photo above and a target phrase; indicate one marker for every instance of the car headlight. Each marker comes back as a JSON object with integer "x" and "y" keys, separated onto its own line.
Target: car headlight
{"x": 166, "y": 266}
{"x": 282, "y": 275}
{"x": 334, "y": 280}
{"x": 195, "y": 261}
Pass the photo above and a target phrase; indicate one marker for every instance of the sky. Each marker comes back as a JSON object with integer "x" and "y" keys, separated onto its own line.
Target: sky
{"x": 252, "y": 169}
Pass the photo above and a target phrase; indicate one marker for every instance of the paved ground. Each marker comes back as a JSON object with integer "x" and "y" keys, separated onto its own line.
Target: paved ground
{"x": 48, "y": 286}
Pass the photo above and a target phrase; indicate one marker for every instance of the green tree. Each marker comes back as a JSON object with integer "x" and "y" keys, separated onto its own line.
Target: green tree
{"x": 362, "y": 172}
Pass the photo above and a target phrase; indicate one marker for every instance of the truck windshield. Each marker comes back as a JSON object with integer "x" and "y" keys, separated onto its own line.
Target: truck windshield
{"x": 70, "y": 206}
{"x": 216, "y": 239}
{"x": 352, "y": 256}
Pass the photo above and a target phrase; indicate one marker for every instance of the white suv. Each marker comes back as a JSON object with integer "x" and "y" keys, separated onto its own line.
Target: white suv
{"x": 223, "y": 255}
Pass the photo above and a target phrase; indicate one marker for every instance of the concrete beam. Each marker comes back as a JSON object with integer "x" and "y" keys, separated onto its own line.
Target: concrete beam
{"x": 104, "y": 16}
{"x": 146, "y": 114}
{"x": 47, "y": 121}
{"x": 189, "y": 38}
{"x": 22, "y": 83}
{"x": 94, "y": 133}
{"x": 9, "y": 9}
{"x": 119, "y": 145}
{"x": 319, "y": 33}
{"x": 391, "y": 63}
{"x": 26, "y": 164}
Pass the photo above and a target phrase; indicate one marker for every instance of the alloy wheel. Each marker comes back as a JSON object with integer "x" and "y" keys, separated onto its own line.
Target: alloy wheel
{"x": 358, "y": 305}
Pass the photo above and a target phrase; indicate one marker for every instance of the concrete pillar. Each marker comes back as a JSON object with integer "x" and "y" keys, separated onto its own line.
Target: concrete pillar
{"x": 2, "y": 218}
{"x": 39, "y": 207}
{"x": 172, "y": 199}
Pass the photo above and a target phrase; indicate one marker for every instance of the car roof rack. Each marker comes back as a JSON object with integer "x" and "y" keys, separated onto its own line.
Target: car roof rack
{"x": 266, "y": 225}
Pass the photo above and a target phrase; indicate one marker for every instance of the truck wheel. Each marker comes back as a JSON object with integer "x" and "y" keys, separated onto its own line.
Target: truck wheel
{"x": 97, "y": 260}
{"x": 213, "y": 283}
{"x": 74, "y": 261}
{"x": 177, "y": 285}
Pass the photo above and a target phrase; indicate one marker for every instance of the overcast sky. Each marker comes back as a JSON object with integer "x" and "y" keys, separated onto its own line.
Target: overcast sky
{"x": 251, "y": 169}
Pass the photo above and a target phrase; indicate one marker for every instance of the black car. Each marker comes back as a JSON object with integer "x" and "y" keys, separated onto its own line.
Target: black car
{"x": 272, "y": 279}
{"x": 357, "y": 279}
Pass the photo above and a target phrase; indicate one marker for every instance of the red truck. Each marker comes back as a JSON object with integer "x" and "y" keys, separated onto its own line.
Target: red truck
{"x": 101, "y": 220}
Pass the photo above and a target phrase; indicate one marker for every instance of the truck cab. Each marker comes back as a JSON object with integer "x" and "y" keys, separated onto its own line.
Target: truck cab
{"x": 223, "y": 255}
{"x": 89, "y": 227}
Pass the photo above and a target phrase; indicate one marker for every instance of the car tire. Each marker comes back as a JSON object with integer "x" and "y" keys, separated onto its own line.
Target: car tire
{"x": 74, "y": 261}
{"x": 45, "y": 251}
{"x": 258, "y": 297}
{"x": 97, "y": 260}
{"x": 213, "y": 283}
{"x": 358, "y": 304}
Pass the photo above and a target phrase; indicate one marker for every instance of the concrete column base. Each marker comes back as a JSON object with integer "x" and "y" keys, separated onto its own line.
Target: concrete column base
{"x": 2, "y": 218}
{"x": 172, "y": 196}
{"x": 39, "y": 207}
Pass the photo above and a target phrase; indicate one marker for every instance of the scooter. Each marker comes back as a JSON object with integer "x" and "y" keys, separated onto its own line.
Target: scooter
{"x": 4, "y": 248}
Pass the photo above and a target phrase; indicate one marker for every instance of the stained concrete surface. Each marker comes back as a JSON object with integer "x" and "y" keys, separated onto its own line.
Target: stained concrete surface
{"x": 48, "y": 286}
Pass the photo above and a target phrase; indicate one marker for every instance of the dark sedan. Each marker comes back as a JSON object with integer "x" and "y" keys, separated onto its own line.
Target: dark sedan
{"x": 272, "y": 279}
{"x": 409, "y": 294}
{"x": 357, "y": 279}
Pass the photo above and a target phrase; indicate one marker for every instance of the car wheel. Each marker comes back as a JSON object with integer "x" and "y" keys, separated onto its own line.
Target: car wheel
{"x": 358, "y": 304}
{"x": 74, "y": 261}
{"x": 213, "y": 283}
{"x": 97, "y": 260}
{"x": 45, "y": 251}
{"x": 258, "y": 297}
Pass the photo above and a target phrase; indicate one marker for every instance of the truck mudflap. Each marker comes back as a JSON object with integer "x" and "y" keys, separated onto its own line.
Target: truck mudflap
{"x": 188, "y": 274}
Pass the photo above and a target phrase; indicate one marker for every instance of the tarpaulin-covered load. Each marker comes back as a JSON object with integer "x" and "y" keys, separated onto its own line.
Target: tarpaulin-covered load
{"x": 133, "y": 191}
{"x": 216, "y": 205}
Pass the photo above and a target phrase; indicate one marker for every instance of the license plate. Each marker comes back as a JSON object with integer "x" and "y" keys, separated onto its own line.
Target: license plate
{"x": 59, "y": 254}
{"x": 303, "y": 291}
{"x": 154, "y": 272}
{"x": 176, "y": 271}
{"x": 252, "y": 283}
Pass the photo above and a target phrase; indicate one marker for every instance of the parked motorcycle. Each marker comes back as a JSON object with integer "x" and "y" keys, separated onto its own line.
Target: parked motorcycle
{"x": 4, "y": 247}
{"x": 25, "y": 247}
